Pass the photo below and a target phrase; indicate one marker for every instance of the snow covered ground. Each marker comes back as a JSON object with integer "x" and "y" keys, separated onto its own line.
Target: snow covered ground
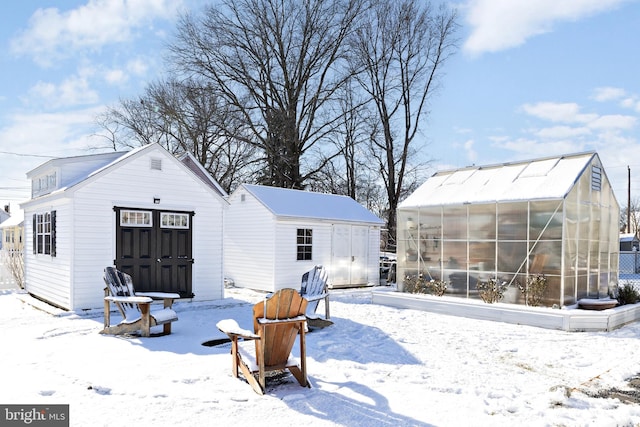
{"x": 376, "y": 366}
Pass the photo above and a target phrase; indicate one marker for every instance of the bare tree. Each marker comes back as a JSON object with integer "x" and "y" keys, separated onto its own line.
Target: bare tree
{"x": 634, "y": 217}
{"x": 400, "y": 49}
{"x": 278, "y": 63}
{"x": 186, "y": 117}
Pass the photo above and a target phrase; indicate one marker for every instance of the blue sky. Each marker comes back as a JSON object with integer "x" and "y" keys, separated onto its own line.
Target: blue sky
{"x": 531, "y": 79}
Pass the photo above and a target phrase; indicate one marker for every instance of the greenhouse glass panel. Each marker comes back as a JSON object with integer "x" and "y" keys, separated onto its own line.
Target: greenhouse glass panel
{"x": 454, "y": 222}
{"x": 545, "y": 220}
{"x": 482, "y": 256}
{"x": 569, "y": 289}
{"x": 482, "y": 222}
{"x": 545, "y": 256}
{"x": 407, "y": 248}
{"x": 512, "y": 257}
{"x": 512, "y": 221}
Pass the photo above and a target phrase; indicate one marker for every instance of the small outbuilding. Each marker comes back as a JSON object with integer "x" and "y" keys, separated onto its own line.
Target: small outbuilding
{"x": 153, "y": 216}
{"x": 555, "y": 216}
{"x": 629, "y": 242}
{"x": 274, "y": 235}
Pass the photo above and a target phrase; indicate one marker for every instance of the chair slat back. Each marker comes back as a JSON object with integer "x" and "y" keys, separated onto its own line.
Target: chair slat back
{"x": 121, "y": 285}
{"x": 314, "y": 281}
{"x": 279, "y": 338}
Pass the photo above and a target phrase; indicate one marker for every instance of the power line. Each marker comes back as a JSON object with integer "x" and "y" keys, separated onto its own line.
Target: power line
{"x": 26, "y": 155}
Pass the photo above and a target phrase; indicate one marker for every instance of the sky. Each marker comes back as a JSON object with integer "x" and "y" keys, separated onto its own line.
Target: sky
{"x": 375, "y": 366}
{"x": 529, "y": 79}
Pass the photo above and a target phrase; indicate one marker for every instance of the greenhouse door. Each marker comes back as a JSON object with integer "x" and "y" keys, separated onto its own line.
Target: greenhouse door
{"x": 349, "y": 257}
{"x": 154, "y": 247}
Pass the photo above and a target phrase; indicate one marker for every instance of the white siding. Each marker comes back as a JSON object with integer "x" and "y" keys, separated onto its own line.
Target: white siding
{"x": 86, "y": 229}
{"x": 261, "y": 252}
{"x": 46, "y": 276}
{"x": 288, "y": 270}
{"x": 249, "y": 246}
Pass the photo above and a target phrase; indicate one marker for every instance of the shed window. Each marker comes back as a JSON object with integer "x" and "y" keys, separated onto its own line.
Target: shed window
{"x": 304, "y": 244}
{"x": 174, "y": 220}
{"x": 136, "y": 218}
{"x": 44, "y": 233}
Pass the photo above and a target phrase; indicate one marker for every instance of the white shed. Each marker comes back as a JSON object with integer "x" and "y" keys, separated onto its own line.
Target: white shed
{"x": 148, "y": 213}
{"x": 273, "y": 235}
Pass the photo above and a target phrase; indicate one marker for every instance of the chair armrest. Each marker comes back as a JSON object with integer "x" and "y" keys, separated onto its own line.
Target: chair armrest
{"x": 263, "y": 321}
{"x": 231, "y": 328}
{"x": 316, "y": 297}
{"x": 132, "y": 300}
{"x": 158, "y": 295}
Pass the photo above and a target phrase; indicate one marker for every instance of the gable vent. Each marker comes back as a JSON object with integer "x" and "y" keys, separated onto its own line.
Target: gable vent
{"x": 156, "y": 164}
{"x": 596, "y": 178}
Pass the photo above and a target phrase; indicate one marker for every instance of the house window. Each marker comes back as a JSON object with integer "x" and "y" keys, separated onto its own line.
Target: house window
{"x": 43, "y": 184}
{"x": 44, "y": 233}
{"x": 136, "y": 218}
{"x": 174, "y": 220}
{"x": 304, "y": 244}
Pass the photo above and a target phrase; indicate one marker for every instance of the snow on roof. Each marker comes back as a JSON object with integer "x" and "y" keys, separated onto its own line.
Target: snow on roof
{"x": 548, "y": 178}
{"x": 308, "y": 204}
{"x": 14, "y": 220}
{"x": 628, "y": 237}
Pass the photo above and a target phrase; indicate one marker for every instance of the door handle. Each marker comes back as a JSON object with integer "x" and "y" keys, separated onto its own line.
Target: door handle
{"x": 159, "y": 260}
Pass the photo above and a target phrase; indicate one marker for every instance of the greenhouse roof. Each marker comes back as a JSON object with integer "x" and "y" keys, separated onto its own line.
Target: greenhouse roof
{"x": 546, "y": 178}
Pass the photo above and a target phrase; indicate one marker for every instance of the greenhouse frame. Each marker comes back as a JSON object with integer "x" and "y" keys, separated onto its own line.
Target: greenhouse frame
{"x": 555, "y": 217}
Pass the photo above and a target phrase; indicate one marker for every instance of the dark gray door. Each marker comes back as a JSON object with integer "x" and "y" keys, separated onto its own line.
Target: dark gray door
{"x": 155, "y": 248}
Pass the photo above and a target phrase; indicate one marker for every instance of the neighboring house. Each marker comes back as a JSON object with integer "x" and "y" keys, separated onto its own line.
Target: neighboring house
{"x": 146, "y": 212}
{"x": 556, "y": 216}
{"x": 11, "y": 250}
{"x": 4, "y": 215}
{"x": 11, "y": 233}
{"x": 274, "y": 235}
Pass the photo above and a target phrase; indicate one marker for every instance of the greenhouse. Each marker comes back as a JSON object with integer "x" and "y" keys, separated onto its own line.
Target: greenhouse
{"x": 555, "y": 218}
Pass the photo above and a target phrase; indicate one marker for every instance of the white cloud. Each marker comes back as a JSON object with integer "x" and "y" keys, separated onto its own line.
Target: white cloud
{"x": 562, "y": 132}
{"x": 603, "y": 94}
{"x": 138, "y": 66}
{"x": 73, "y": 91}
{"x": 567, "y": 112}
{"x": 115, "y": 76}
{"x": 44, "y": 134}
{"x": 472, "y": 154}
{"x": 614, "y": 121}
{"x": 529, "y": 147}
{"x": 52, "y": 33}
{"x": 502, "y": 24}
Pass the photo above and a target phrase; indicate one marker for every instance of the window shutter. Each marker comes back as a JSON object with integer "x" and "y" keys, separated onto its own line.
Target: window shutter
{"x": 53, "y": 233}
{"x": 34, "y": 231}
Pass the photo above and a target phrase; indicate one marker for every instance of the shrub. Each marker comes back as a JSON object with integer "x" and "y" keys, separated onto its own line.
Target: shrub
{"x": 534, "y": 289}
{"x": 420, "y": 285}
{"x": 492, "y": 290}
{"x": 627, "y": 294}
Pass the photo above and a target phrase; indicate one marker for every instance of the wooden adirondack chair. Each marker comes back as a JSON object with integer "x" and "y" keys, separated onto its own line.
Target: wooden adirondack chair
{"x": 314, "y": 288}
{"x": 276, "y": 322}
{"x": 134, "y": 307}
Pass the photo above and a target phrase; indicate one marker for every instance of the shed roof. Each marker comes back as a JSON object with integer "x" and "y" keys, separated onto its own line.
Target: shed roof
{"x": 284, "y": 202}
{"x": 628, "y": 237}
{"x": 545, "y": 178}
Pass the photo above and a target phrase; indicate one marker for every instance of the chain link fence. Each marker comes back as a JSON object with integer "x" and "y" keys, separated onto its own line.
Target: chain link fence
{"x": 630, "y": 262}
